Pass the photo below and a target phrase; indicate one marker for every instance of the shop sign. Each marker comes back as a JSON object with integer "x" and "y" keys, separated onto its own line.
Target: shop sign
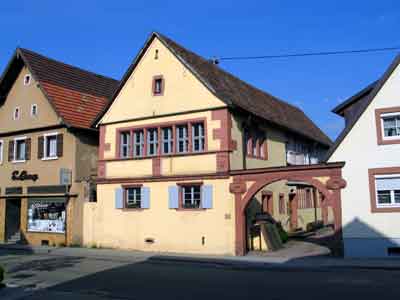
{"x": 23, "y": 175}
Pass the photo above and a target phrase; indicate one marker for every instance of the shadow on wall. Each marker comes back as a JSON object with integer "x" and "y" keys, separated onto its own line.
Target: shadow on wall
{"x": 362, "y": 240}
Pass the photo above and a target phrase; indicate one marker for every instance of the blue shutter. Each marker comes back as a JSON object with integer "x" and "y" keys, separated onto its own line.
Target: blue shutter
{"x": 119, "y": 198}
{"x": 145, "y": 203}
{"x": 207, "y": 196}
{"x": 173, "y": 193}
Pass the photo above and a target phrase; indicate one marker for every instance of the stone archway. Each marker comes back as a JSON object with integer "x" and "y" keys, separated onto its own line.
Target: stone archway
{"x": 326, "y": 178}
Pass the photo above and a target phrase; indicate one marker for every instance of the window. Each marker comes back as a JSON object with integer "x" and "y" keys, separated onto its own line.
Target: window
{"x": 152, "y": 141}
{"x": 167, "y": 140}
{"x": 388, "y": 191}
{"x": 17, "y": 113}
{"x": 27, "y": 79}
{"x": 47, "y": 215}
{"x": 125, "y": 147}
{"x": 158, "y": 85}
{"x": 391, "y": 126}
{"x": 138, "y": 143}
{"x": 182, "y": 138}
{"x": 198, "y": 137}
{"x": 191, "y": 196}
{"x": 1, "y": 151}
{"x": 20, "y": 149}
{"x": 34, "y": 110}
{"x": 133, "y": 197}
{"x": 50, "y": 146}
{"x": 254, "y": 151}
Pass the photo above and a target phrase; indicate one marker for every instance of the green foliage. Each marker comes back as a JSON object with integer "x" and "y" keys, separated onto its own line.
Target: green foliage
{"x": 282, "y": 233}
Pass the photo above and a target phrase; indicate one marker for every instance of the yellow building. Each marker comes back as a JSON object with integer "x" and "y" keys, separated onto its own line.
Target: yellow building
{"x": 175, "y": 130}
{"x": 48, "y": 149}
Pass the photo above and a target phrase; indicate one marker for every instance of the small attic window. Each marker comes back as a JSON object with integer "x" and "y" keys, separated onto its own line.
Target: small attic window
{"x": 158, "y": 85}
{"x": 156, "y": 54}
{"x": 16, "y": 113}
{"x": 34, "y": 110}
{"x": 27, "y": 79}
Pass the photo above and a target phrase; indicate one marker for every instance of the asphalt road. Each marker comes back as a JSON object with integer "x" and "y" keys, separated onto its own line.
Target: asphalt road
{"x": 57, "y": 277}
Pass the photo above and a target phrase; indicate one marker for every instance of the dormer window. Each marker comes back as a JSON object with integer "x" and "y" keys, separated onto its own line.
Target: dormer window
{"x": 16, "y": 113}
{"x": 27, "y": 79}
{"x": 34, "y": 110}
{"x": 158, "y": 86}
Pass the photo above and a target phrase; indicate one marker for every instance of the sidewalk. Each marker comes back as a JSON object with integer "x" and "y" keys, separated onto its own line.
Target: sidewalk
{"x": 250, "y": 261}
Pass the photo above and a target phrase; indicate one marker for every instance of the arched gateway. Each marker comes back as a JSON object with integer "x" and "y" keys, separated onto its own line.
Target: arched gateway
{"x": 327, "y": 178}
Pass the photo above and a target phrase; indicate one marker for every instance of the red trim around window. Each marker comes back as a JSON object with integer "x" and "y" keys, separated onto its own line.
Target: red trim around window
{"x": 153, "y": 85}
{"x": 159, "y": 126}
{"x": 372, "y": 190}
{"x": 186, "y": 184}
{"x": 125, "y": 194}
{"x": 378, "y": 120}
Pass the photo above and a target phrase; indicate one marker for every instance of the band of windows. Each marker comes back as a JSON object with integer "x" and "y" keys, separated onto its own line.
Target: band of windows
{"x": 182, "y": 138}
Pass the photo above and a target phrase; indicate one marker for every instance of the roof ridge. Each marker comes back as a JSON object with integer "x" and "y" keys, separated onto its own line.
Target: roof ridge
{"x": 66, "y": 64}
{"x": 228, "y": 73}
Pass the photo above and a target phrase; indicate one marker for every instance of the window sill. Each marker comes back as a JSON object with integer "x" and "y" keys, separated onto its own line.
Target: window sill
{"x": 18, "y": 161}
{"x": 176, "y": 154}
{"x": 190, "y": 209}
{"x": 133, "y": 209}
{"x": 256, "y": 157}
{"x": 49, "y": 158}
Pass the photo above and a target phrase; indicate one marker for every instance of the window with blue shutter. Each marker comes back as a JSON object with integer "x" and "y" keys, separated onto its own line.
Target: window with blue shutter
{"x": 119, "y": 198}
{"x": 173, "y": 196}
{"x": 145, "y": 197}
{"x": 207, "y": 196}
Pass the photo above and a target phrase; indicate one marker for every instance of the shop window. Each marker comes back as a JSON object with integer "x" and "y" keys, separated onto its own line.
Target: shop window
{"x": 47, "y": 215}
{"x": 167, "y": 140}
{"x": 152, "y": 141}
{"x": 198, "y": 137}
{"x": 133, "y": 197}
{"x": 125, "y": 146}
{"x": 50, "y": 146}
{"x": 138, "y": 143}
{"x": 158, "y": 85}
{"x": 191, "y": 196}
{"x": 182, "y": 138}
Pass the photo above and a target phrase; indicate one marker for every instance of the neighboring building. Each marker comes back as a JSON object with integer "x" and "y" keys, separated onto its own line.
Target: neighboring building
{"x": 175, "y": 129}
{"x": 370, "y": 145}
{"x": 48, "y": 149}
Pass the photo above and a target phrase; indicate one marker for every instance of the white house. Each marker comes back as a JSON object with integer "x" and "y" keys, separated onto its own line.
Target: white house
{"x": 370, "y": 146}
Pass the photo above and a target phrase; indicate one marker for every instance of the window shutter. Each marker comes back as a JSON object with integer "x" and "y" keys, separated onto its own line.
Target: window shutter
{"x": 173, "y": 193}
{"x": 11, "y": 151}
{"x": 119, "y": 198}
{"x": 145, "y": 203}
{"x": 207, "y": 196}
{"x": 40, "y": 147}
{"x": 60, "y": 145}
{"x": 28, "y": 149}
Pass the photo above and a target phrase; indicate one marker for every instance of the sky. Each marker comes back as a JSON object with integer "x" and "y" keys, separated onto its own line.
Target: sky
{"x": 105, "y": 36}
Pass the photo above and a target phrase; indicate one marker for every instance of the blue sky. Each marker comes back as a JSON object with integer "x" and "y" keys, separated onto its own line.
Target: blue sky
{"x": 104, "y": 37}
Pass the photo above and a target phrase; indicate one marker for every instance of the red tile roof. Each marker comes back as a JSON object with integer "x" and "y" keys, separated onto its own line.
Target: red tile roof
{"x": 78, "y": 96}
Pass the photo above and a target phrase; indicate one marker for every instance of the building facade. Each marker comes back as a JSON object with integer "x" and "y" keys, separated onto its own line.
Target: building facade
{"x": 370, "y": 144}
{"x": 48, "y": 150}
{"x": 176, "y": 128}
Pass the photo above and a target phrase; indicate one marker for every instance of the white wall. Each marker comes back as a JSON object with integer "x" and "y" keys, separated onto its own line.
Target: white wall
{"x": 360, "y": 152}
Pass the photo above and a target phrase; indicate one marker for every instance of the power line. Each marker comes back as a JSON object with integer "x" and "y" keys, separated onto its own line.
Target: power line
{"x": 309, "y": 54}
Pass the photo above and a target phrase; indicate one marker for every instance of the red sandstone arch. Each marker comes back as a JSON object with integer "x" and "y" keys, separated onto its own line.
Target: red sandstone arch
{"x": 264, "y": 177}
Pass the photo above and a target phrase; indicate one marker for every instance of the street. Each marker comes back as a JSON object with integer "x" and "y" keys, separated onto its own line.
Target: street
{"x": 41, "y": 276}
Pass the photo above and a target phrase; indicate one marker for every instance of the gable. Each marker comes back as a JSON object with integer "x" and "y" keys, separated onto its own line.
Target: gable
{"x": 24, "y": 96}
{"x": 363, "y": 133}
{"x": 183, "y": 92}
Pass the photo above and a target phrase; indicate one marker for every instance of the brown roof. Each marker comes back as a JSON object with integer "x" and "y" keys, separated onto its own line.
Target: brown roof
{"x": 369, "y": 92}
{"x": 76, "y": 95}
{"x": 237, "y": 93}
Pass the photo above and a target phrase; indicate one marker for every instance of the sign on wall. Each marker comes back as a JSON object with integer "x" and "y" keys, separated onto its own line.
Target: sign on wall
{"x": 23, "y": 175}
